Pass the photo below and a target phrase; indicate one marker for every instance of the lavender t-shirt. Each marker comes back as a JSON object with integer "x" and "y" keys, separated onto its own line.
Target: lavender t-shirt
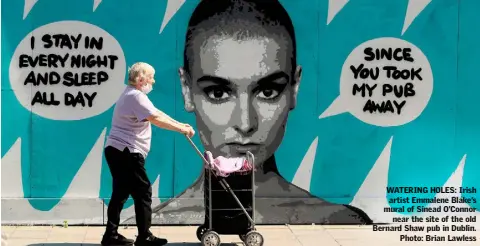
{"x": 130, "y": 127}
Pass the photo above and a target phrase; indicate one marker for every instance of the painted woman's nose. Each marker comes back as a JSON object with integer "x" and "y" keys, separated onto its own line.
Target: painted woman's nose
{"x": 246, "y": 118}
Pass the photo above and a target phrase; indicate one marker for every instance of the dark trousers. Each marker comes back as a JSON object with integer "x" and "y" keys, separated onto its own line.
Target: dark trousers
{"x": 129, "y": 178}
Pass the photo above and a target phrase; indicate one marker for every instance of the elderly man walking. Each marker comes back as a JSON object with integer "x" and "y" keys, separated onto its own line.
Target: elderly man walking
{"x": 127, "y": 147}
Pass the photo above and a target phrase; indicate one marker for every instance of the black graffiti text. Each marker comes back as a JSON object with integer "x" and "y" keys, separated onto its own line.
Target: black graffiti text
{"x": 391, "y": 106}
{"x": 32, "y": 42}
{"x": 363, "y": 89}
{"x": 397, "y": 54}
{"x": 399, "y": 91}
{"x": 61, "y": 41}
{"x": 85, "y": 78}
{"x": 76, "y": 61}
{"x": 45, "y": 99}
{"x": 81, "y": 98}
{"x": 365, "y": 73}
{"x": 93, "y": 43}
{"x": 410, "y": 74}
{"x": 68, "y": 41}
{"x": 46, "y": 78}
{"x": 90, "y": 61}
{"x": 42, "y": 60}
{"x": 69, "y": 78}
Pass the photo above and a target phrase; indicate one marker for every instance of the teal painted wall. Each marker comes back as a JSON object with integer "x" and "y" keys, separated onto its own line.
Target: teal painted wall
{"x": 424, "y": 151}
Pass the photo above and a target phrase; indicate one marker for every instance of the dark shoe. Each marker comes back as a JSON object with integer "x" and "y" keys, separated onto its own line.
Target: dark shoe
{"x": 151, "y": 240}
{"x": 116, "y": 240}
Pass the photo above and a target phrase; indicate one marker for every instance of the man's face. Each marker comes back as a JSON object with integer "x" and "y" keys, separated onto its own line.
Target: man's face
{"x": 150, "y": 77}
{"x": 241, "y": 92}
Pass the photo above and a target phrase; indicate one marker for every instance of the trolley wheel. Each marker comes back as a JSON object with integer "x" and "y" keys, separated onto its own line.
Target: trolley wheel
{"x": 200, "y": 231}
{"x": 254, "y": 238}
{"x": 210, "y": 238}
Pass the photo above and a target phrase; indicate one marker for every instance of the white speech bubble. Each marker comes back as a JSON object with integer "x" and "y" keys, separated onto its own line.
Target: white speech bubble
{"x": 407, "y": 91}
{"x": 47, "y": 50}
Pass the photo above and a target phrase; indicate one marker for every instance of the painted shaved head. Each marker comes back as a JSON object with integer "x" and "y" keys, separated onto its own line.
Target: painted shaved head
{"x": 240, "y": 76}
{"x": 240, "y": 20}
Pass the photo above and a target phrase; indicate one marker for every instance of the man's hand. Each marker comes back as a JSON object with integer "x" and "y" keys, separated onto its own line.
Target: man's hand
{"x": 188, "y": 130}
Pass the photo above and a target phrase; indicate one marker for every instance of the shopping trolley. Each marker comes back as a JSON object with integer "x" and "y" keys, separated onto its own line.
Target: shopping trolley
{"x": 226, "y": 213}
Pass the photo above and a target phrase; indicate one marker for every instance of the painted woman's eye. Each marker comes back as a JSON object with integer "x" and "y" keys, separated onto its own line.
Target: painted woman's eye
{"x": 268, "y": 94}
{"x": 217, "y": 93}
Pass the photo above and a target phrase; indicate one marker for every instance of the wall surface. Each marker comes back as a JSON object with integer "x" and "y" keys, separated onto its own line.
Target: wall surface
{"x": 356, "y": 126}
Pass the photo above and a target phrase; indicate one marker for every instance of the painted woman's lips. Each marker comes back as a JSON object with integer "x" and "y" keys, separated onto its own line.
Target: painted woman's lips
{"x": 243, "y": 148}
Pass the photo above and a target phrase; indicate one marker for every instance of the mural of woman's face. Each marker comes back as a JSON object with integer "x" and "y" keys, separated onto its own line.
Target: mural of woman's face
{"x": 241, "y": 92}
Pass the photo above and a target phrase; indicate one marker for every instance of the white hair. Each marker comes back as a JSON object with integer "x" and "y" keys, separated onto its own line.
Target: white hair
{"x": 137, "y": 71}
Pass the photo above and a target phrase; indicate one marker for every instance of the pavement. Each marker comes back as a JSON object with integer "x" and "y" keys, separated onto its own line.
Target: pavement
{"x": 283, "y": 235}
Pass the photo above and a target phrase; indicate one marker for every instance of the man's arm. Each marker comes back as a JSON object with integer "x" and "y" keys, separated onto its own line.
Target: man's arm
{"x": 165, "y": 122}
{"x": 144, "y": 109}
{"x": 161, "y": 113}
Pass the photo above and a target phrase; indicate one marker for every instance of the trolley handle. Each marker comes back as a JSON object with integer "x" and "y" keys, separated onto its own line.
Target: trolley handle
{"x": 198, "y": 151}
